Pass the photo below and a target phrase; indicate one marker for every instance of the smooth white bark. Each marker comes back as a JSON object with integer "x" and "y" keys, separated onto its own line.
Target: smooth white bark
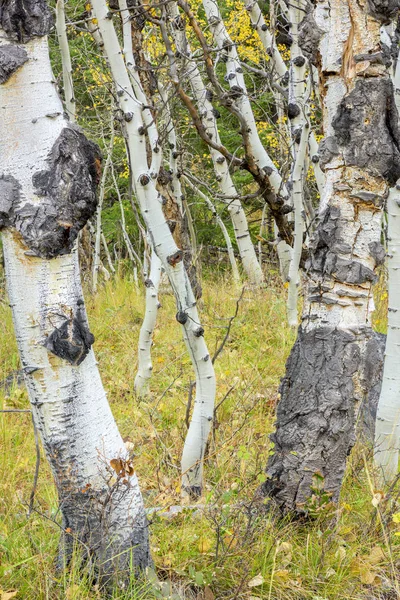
{"x": 70, "y": 104}
{"x": 298, "y": 201}
{"x": 207, "y": 115}
{"x": 69, "y": 403}
{"x": 97, "y": 243}
{"x": 387, "y": 426}
{"x": 229, "y": 247}
{"x": 235, "y": 77}
{"x": 145, "y": 365}
{"x": 171, "y": 258}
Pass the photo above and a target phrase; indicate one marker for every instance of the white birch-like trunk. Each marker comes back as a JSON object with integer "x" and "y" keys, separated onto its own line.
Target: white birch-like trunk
{"x": 145, "y": 365}
{"x": 170, "y": 256}
{"x": 235, "y": 77}
{"x": 97, "y": 242}
{"x": 387, "y": 425}
{"x": 207, "y": 115}
{"x": 279, "y": 65}
{"x": 294, "y": 270}
{"x": 68, "y": 83}
{"x": 102, "y": 516}
{"x": 229, "y": 247}
{"x": 334, "y": 364}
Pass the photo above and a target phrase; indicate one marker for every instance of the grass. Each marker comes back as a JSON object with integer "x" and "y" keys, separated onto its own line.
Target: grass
{"x": 226, "y": 549}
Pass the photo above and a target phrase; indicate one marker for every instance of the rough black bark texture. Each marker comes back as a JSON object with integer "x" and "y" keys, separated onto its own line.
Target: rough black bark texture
{"x": 66, "y": 192}
{"x": 317, "y": 411}
{"x": 23, "y": 20}
{"x": 72, "y": 340}
{"x": 88, "y": 523}
{"x": 94, "y": 521}
{"x": 367, "y": 128}
{"x": 384, "y": 10}
{"x": 11, "y": 59}
{"x": 326, "y": 246}
{"x": 309, "y": 36}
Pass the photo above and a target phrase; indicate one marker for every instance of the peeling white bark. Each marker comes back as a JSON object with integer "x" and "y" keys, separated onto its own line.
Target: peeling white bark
{"x": 171, "y": 258}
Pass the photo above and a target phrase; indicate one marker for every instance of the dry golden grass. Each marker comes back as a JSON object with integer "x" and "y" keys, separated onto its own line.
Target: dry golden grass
{"x": 225, "y": 549}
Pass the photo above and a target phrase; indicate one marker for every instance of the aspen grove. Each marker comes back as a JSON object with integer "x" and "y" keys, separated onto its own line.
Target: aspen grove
{"x": 199, "y": 215}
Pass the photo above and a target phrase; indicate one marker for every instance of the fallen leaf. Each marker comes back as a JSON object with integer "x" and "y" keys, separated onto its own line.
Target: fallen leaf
{"x": 281, "y": 575}
{"x": 375, "y": 556}
{"x": 367, "y": 576}
{"x": 72, "y": 592}
{"x": 377, "y": 498}
{"x": 330, "y": 572}
{"x": 256, "y": 581}
{"x": 208, "y": 593}
{"x": 340, "y": 553}
{"x": 8, "y": 595}
{"x": 204, "y": 545}
{"x": 396, "y": 517}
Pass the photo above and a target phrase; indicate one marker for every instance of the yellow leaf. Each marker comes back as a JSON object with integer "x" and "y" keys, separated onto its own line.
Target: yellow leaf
{"x": 204, "y": 545}
{"x": 72, "y": 592}
{"x": 396, "y": 517}
{"x": 8, "y": 595}
{"x": 375, "y": 556}
{"x": 256, "y": 581}
{"x": 281, "y": 575}
{"x": 285, "y": 547}
{"x": 367, "y": 576}
{"x": 230, "y": 540}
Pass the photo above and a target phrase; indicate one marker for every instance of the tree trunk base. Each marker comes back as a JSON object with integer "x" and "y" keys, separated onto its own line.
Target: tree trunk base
{"x": 112, "y": 544}
{"x": 332, "y": 380}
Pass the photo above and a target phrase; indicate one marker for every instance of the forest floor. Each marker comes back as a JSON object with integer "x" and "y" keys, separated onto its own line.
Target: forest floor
{"x": 224, "y": 549}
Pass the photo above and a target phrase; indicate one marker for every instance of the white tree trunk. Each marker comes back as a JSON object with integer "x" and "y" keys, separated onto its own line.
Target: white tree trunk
{"x": 387, "y": 426}
{"x": 145, "y": 365}
{"x": 234, "y": 74}
{"x": 280, "y": 67}
{"x": 68, "y": 83}
{"x": 170, "y": 256}
{"x": 207, "y": 114}
{"x": 298, "y": 184}
{"x": 97, "y": 242}
{"x": 334, "y": 364}
{"x": 41, "y": 220}
{"x": 229, "y": 247}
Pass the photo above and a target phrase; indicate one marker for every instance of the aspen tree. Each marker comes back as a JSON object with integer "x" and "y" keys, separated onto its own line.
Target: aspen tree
{"x": 47, "y": 193}
{"x": 334, "y": 363}
{"x": 171, "y": 257}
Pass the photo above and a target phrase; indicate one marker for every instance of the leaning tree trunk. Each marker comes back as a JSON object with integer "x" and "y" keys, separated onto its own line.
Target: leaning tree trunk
{"x": 331, "y": 368}
{"x": 47, "y": 193}
{"x": 167, "y": 251}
